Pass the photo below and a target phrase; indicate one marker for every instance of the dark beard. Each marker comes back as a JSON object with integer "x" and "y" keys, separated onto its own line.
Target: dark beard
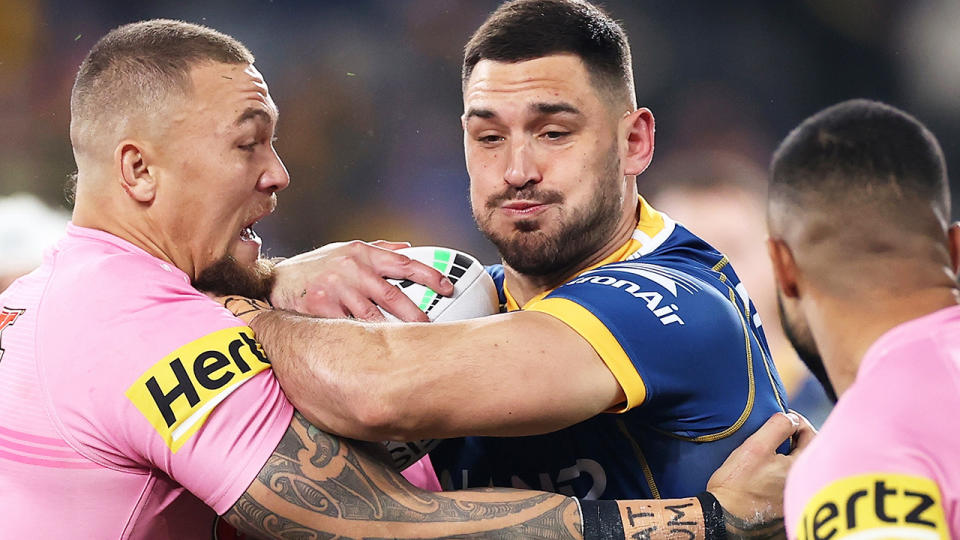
{"x": 531, "y": 251}
{"x": 806, "y": 349}
{"x": 228, "y": 277}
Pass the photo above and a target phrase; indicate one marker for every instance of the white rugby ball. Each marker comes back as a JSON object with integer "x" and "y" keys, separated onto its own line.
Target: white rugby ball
{"x": 474, "y": 294}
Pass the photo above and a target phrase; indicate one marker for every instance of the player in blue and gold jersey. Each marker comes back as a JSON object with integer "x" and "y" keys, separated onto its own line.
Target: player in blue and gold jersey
{"x": 669, "y": 317}
{"x": 623, "y": 312}
{"x": 554, "y": 142}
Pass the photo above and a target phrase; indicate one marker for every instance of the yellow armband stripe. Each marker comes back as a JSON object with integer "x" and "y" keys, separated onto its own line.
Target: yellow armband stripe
{"x": 596, "y": 333}
{"x": 177, "y": 394}
{"x": 876, "y": 505}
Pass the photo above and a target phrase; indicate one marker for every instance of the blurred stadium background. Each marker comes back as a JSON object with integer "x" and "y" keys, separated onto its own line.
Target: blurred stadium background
{"x": 369, "y": 93}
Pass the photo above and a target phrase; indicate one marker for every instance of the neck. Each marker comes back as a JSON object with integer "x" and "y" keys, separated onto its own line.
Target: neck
{"x": 845, "y": 328}
{"x": 524, "y": 287}
{"x": 104, "y": 215}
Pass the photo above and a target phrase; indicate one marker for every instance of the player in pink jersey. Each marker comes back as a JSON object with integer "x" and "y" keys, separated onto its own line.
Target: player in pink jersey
{"x": 866, "y": 263}
{"x": 133, "y": 406}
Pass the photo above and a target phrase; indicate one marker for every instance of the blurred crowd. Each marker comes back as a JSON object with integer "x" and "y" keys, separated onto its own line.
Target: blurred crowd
{"x": 369, "y": 94}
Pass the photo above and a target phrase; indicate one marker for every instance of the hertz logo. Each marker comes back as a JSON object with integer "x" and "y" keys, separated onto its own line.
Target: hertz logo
{"x": 177, "y": 394}
{"x": 875, "y": 506}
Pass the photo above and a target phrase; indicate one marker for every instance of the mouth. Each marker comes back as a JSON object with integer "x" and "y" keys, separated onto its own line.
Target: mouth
{"x": 247, "y": 234}
{"x": 524, "y": 208}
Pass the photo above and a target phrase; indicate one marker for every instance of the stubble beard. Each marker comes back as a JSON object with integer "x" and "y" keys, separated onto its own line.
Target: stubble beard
{"x": 227, "y": 277}
{"x": 532, "y": 250}
{"x": 799, "y": 336}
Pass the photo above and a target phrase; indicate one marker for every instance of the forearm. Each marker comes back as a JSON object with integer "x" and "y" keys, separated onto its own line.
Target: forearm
{"x": 316, "y": 485}
{"x": 416, "y": 381}
{"x": 333, "y": 371}
{"x": 689, "y": 518}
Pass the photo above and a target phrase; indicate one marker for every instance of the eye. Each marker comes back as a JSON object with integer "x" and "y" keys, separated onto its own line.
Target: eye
{"x": 555, "y": 135}
{"x": 248, "y": 147}
{"x": 489, "y": 139}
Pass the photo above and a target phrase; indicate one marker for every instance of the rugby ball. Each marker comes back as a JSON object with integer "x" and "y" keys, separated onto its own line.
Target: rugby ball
{"x": 474, "y": 294}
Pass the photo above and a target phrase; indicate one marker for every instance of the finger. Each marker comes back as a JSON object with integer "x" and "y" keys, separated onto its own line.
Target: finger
{"x": 773, "y": 432}
{"x": 362, "y": 308}
{"x": 398, "y": 266}
{"x": 318, "y": 302}
{"x": 376, "y": 289}
{"x": 804, "y": 435}
{"x": 392, "y": 246}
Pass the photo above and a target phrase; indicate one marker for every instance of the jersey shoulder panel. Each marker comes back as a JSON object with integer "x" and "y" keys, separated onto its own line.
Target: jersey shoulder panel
{"x": 680, "y": 334}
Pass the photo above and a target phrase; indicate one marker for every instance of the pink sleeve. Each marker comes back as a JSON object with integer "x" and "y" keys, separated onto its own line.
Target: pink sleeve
{"x": 421, "y": 474}
{"x": 158, "y": 376}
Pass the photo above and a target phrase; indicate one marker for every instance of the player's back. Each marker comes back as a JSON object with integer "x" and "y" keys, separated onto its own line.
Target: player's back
{"x": 887, "y": 456}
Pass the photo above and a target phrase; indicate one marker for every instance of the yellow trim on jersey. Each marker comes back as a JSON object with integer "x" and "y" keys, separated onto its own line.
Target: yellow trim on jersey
{"x": 647, "y": 472}
{"x": 598, "y": 335}
{"x": 751, "y": 393}
{"x": 649, "y": 224}
{"x": 721, "y": 264}
{"x": 875, "y": 505}
{"x": 651, "y": 221}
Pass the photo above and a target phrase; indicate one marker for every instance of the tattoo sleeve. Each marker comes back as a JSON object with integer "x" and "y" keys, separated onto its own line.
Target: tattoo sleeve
{"x": 316, "y": 485}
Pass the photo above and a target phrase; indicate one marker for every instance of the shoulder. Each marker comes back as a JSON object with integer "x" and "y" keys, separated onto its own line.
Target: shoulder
{"x": 99, "y": 288}
{"x": 658, "y": 295}
{"x": 890, "y": 419}
{"x": 112, "y": 320}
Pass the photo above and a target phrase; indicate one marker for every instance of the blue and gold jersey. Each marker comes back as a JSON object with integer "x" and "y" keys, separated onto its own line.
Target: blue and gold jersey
{"x": 670, "y": 318}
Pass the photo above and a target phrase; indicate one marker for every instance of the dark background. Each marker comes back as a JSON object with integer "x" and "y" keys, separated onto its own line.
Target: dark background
{"x": 369, "y": 92}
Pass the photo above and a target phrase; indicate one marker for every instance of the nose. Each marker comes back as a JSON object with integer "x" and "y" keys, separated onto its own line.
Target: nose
{"x": 522, "y": 168}
{"x": 275, "y": 177}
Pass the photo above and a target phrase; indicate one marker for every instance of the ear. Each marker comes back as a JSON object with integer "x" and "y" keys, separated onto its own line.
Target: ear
{"x": 130, "y": 158}
{"x": 784, "y": 267}
{"x": 636, "y": 136}
{"x": 953, "y": 239}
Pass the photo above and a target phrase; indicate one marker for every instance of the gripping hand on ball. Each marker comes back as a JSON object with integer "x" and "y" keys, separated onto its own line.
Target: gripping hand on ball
{"x": 347, "y": 279}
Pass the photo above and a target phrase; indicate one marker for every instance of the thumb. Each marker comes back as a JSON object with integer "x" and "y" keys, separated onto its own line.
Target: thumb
{"x": 774, "y": 431}
{"x": 392, "y": 246}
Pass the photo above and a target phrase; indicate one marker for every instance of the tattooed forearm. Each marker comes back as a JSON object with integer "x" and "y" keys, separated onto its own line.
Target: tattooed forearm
{"x": 249, "y": 515}
{"x": 741, "y": 529}
{"x": 318, "y": 486}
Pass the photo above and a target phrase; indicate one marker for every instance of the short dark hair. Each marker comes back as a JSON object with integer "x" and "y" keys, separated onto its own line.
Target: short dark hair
{"x": 861, "y": 151}
{"x": 522, "y": 30}
{"x": 139, "y": 64}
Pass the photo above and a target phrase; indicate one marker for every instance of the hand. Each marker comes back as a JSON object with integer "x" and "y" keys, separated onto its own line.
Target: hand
{"x": 346, "y": 279}
{"x": 749, "y": 485}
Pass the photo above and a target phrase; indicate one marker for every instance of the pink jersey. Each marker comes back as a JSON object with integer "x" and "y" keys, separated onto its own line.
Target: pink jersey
{"x": 887, "y": 462}
{"x": 131, "y": 406}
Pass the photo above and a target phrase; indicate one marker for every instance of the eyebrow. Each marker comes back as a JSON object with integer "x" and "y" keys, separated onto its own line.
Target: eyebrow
{"x": 252, "y": 113}
{"x": 540, "y": 108}
{"x": 554, "y": 108}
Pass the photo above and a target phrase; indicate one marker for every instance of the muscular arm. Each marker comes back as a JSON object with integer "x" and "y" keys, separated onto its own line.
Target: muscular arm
{"x": 317, "y": 486}
{"x": 511, "y": 374}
